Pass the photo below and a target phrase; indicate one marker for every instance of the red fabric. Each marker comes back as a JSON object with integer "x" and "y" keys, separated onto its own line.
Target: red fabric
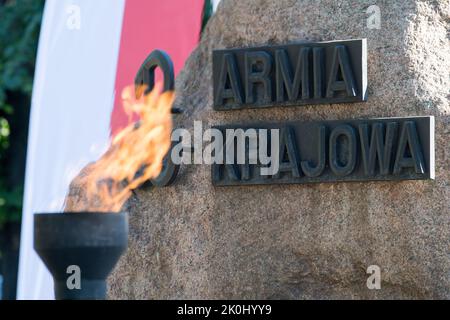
{"x": 170, "y": 25}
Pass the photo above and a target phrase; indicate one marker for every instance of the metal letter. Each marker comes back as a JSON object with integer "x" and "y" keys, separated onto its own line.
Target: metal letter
{"x": 349, "y": 133}
{"x": 251, "y": 77}
{"x": 322, "y": 154}
{"x": 288, "y": 148}
{"x": 411, "y": 156}
{"x": 284, "y": 78}
{"x": 379, "y": 146}
{"x": 229, "y": 76}
{"x": 341, "y": 76}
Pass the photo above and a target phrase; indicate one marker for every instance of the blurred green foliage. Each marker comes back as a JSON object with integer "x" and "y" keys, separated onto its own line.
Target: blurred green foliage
{"x": 207, "y": 13}
{"x": 19, "y": 32}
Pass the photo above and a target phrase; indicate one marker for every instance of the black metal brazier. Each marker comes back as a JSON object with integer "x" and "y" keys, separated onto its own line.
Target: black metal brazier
{"x": 86, "y": 245}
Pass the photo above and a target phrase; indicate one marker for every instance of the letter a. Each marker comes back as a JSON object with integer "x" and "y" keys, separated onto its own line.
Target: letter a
{"x": 74, "y": 280}
{"x": 374, "y": 281}
{"x": 343, "y": 81}
{"x": 229, "y": 86}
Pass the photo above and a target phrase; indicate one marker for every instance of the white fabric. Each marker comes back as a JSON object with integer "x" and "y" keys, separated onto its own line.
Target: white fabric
{"x": 215, "y": 3}
{"x": 69, "y": 125}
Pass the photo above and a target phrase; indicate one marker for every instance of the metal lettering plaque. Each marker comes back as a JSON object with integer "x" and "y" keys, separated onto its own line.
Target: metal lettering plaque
{"x": 290, "y": 75}
{"x": 342, "y": 150}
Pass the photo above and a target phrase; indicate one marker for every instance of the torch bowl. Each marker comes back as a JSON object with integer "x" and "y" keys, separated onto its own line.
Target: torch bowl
{"x": 80, "y": 250}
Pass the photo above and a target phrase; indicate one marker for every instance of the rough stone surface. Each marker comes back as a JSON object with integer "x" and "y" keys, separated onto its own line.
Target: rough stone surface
{"x": 195, "y": 241}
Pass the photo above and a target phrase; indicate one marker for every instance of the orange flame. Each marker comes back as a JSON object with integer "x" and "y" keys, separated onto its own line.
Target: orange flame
{"x": 136, "y": 154}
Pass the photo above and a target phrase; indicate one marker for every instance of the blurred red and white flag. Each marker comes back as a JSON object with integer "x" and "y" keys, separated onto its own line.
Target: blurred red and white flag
{"x": 88, "y": 52}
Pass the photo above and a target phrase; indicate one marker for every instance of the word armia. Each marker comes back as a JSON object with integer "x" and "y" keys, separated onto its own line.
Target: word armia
{"x": 294, "y": 74}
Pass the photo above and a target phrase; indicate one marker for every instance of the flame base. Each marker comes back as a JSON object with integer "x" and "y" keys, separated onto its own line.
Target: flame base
{"x": 80, "y": 250}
